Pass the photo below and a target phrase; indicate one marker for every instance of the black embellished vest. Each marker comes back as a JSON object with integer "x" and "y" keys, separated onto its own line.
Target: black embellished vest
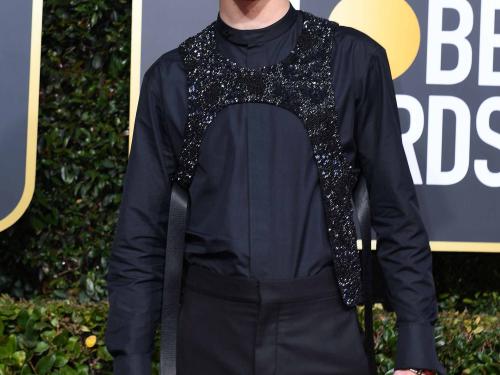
{"x": 300, "y": 83}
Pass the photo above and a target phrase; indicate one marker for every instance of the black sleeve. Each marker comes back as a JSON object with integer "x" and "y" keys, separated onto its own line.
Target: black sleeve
{"x": 135, "y": 273}
{"x": 403, "y": 245}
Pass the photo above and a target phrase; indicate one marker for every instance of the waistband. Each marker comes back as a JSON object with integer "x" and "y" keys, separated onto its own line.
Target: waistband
{"x": 237, "y": 288}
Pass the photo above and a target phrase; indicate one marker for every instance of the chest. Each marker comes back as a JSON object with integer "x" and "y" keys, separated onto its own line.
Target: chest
{"x": 301, "y": 84}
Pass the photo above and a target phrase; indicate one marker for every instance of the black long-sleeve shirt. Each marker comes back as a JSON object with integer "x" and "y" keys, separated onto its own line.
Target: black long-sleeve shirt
{"x": 256, "y": 206}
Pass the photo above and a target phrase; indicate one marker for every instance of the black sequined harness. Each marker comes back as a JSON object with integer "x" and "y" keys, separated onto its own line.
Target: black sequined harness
{"x": 301, "y": 83}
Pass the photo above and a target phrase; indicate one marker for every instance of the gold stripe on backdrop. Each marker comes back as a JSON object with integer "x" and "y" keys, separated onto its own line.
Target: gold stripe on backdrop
{"x": 135, "y": 65}
{"x": 455, "y": 246}
{"x": 32, "y": 121}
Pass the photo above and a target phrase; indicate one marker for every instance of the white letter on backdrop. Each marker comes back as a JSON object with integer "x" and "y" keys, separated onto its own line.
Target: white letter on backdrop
{"x": 435, "y": 174}
{"x": 488, "y": 41}
{"x": 437, "y": 37}
{"x": 490, "y": 137}
{"x": 415, "y": 130}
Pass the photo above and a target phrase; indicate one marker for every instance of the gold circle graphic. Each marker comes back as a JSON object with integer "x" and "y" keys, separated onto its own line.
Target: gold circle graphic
{"x": 392, "y": 23}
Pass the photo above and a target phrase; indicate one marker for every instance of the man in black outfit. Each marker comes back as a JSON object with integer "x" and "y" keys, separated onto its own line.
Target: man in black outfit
{"x": 282, "y": 111}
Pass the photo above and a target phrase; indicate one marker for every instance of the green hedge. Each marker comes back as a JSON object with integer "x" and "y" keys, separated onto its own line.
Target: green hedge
{"x": 63, "y": 337}
{"x": 60, "y": 245}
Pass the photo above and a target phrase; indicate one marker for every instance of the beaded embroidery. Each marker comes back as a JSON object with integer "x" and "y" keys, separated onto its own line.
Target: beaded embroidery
{"x": 301, "y": 83}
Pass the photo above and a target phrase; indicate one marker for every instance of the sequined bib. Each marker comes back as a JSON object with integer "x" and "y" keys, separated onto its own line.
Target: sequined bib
{"x": 300, "y": 83}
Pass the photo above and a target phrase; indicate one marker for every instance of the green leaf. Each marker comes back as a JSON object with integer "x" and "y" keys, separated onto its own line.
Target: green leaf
{"x": 19, "y": 357}
{"x": 67, "y": 370}
{"x": 48, "y": 336}
{"x": 61, "y": 339}
{"x": 61, "y": 359}
{"x": 97, "y": 62}
{"x": 9, "y": 347}
{"x": 26, "y": 370}
{"x": 44, "y": 365}
{"x": 41, "y": 347}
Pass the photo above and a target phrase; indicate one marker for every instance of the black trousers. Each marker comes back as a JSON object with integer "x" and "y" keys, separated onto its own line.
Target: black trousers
{"x": 240, "y": 326}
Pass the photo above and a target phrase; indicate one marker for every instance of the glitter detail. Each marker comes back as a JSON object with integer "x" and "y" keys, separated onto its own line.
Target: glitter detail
{"x": 300, "y": 83}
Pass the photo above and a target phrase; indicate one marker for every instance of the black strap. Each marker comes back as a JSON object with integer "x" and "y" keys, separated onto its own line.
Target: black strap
{"x": 174, "y": 257}
{"x": 362, "y": 205}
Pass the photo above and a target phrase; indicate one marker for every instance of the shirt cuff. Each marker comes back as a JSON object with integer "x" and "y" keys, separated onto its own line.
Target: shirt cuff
{"x": 416, "y": 348}
{"x": 132, "y": 364}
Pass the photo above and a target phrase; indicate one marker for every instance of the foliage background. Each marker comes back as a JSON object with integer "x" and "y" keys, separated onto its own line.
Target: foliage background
{"x": 63, "y": 338}
{"x": 59, "y": 248}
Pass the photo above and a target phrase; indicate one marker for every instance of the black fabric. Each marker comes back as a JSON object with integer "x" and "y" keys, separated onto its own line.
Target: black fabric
{"x": 172, "y": 277}
{"x": 279, "y": 232}
{"x": 286, "y": 327}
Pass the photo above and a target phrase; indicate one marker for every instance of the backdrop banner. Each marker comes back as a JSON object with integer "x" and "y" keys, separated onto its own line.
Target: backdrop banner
{"x": 20, "y": 46}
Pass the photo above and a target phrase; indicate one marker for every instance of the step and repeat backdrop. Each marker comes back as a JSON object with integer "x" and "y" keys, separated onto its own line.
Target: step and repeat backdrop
{"x": 445, "y": 61}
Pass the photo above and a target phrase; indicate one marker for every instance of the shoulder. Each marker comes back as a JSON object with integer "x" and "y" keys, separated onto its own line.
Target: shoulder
{"x": 166, "y": 67}
{"x": 359, "y": 57}
{"x": 358, "y": 42}
{"x": 358, "y": 52}
{"x": 347, "y": 36}
{"x": 173, "y": 60}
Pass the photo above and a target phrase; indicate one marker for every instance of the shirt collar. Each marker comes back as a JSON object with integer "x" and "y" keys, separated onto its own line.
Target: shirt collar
{"x": 256, "y": 36}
